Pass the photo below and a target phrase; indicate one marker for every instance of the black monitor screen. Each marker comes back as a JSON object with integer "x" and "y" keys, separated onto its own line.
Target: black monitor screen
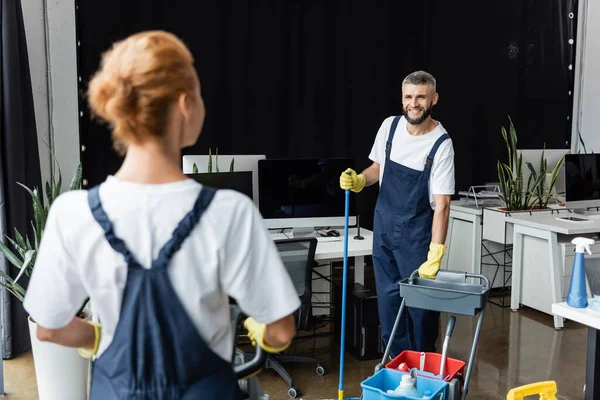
{"x": 303, "y": 188}
{"x": 240, "y": 181}
{"x": 582, "y": 177}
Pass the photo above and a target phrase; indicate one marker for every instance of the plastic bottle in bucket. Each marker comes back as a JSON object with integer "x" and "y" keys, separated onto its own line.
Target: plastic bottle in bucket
{"x": 406, "y": 387}
{"x": 577, "y": 290}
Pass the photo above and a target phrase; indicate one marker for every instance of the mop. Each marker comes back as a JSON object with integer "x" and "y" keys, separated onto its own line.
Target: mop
{"x": 344, "y": 286}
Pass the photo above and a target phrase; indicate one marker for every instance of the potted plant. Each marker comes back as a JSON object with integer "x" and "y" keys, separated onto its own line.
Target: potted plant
{"x": 517, "y": 195}
{"x": 61, "y": 373}
{"x": 209, "y": 167}
{"x": 542, "y": 193}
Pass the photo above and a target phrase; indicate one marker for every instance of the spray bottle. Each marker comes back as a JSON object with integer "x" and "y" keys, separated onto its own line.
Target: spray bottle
{"x": 577, "y": 291}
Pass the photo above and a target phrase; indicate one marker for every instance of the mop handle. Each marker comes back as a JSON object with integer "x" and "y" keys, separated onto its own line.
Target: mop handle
{"x": 344, "y": 285}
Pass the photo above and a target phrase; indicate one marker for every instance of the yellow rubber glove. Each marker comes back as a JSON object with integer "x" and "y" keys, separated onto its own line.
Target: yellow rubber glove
{"x": 256, "y": 333}
{"x": 430, "y": 268}
{"x": 354, "y": 182}
{"x": 89, "y": 353}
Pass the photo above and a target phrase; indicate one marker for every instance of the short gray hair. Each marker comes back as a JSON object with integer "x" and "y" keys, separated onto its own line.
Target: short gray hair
{"x": 420, "y": 78}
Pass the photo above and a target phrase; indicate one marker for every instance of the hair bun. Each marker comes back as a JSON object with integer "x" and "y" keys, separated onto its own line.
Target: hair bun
{"x": 138, "y": 80}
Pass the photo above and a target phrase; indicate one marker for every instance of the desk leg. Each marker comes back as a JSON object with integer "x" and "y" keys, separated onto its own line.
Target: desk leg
{"x": 359, "y": 270}
{"x": 476, "y": 263}
{"x": 555, "y": 276}
{"x": 592, "y": 367}
{"x": 515, "y": 293}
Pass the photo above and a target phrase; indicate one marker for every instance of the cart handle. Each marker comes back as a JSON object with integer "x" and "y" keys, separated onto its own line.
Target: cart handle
{"x": 455, "y": 276}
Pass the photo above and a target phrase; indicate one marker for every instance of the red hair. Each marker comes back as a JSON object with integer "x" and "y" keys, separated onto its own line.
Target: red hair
{"x": 139, "y": 80}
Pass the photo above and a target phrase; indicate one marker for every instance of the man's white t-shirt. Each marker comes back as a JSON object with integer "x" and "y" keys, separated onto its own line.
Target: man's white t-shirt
{"x": 412, "y": 151}
{"x": 229, "y": 252}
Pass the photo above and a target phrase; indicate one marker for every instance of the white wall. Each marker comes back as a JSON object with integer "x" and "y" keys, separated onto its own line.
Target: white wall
{"x": 586, "y": 108}
{"x": 35, "y": 32}
{"x": 50, "y": 32}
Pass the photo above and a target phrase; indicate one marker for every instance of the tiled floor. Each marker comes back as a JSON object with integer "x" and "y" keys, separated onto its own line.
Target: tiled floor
{"x": 514, "y": 349}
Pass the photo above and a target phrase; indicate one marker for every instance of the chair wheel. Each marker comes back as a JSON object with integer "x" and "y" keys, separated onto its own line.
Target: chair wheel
{"x": 293, "y": 392}
{"x": 321, "y": 370}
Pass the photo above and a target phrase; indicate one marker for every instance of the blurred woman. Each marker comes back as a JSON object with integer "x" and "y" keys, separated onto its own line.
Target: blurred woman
{"x": 157, "y": 253}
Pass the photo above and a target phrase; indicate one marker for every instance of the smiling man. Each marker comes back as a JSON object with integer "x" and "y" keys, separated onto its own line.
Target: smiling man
{"x": 413, "y": 161}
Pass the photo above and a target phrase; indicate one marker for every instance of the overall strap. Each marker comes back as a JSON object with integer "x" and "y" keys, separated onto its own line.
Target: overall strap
{"x": 434, "y": 149}
{"x": 107, "y": 226}
{"x": 184, "y": 228}
{"x": 388, "y": 145}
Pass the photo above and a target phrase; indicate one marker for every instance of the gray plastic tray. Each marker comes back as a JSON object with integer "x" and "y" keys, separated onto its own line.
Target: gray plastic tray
{"x": 449, "y": 293}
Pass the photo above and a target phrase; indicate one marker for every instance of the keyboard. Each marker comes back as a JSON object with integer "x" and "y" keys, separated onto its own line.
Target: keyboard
{"x": 330, "y": 239}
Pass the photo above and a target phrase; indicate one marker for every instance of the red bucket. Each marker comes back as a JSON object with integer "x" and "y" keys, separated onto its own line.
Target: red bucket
{"x": 412, "y": 359}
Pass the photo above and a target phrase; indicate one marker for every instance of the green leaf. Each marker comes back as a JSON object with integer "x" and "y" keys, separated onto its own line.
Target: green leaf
{"x": 49, "y": 194}
{"x": 77, "y": 178}
{"x": 29, "y": 247}
{"x": 194, "y": 168}
{"x": 17, "y": 247}
{"x": 231, "y": 165}
{"x": 57, "y": 187}
{"x": 29, "y": 257}
{"x": 217, "y": 159}
{"x": 36, "y": 237}
{"x": 10, "y": 256}
{"x": 19, "y": 239}
{"x": 37, "y": 207}
{"x": 209, "y": 160}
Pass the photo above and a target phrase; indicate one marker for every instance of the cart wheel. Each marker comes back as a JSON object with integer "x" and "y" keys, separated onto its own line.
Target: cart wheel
{"x": 321, "y": 370}
{"x": 293, "y": 392}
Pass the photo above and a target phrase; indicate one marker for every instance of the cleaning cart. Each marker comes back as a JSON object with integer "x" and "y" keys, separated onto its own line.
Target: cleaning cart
{"x": 436, "y": 376}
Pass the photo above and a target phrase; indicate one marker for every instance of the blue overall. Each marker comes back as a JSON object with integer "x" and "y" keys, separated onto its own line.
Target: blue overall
{"x": 156, "y": 352}
{"x": 401, "y": 236}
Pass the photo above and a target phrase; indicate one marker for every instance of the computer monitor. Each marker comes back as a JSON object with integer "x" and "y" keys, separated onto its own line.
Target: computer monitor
{"x": 304, "y": 193}
{"x": 553, "y": 156}
{"x": 240, "y": 181}
{"x": 582, "y": 176}
{"x": 241, "y": 162}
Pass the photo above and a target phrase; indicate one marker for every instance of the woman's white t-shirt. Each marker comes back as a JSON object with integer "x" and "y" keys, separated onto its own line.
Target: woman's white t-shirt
{"x": 228, "y": 253}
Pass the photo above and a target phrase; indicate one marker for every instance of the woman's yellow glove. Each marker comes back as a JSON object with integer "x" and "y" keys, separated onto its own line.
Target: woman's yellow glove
{"x": 430, "y": 268}
{"x": 353, "y": 182}
{"x": 256, "y": 333}
{"x": 89, "y": 353}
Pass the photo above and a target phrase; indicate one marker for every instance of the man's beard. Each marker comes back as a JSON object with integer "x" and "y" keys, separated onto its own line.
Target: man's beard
{"x": 417, "y": 121}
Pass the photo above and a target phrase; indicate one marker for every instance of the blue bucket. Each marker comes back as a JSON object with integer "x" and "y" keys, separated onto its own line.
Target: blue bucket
{"x": 376, "y": 387}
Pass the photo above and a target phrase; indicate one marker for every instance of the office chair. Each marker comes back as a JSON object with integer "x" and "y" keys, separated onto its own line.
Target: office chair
{"x": 298, "y": 256}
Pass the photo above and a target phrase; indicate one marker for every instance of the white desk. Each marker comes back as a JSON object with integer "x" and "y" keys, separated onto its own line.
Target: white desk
{"x": 331, "y": 249}
{"x": 592, "y": 320}
{"x": 543, "y": 259}
{"x": 464, "y": 238}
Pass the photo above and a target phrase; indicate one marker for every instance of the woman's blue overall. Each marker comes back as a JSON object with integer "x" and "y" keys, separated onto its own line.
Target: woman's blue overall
{"x": 402, "y": 234}
{"x": 157, "y": 352}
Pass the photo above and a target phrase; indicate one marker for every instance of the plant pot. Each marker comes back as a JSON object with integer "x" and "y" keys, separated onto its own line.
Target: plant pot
{"x": 61, "y": 373}
{"x": 495, "y": 227}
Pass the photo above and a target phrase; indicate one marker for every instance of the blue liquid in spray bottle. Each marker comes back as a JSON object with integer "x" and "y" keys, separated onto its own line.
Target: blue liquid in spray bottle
{"x": 577, "y": 290}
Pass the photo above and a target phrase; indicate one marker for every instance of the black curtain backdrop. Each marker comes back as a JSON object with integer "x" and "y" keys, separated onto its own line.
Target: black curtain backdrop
{"x": 317, "y": 78}
{"x": 18, "y": 154}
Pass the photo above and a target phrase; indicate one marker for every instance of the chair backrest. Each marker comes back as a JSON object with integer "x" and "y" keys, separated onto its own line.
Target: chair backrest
{"x": 298, "y": 256}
